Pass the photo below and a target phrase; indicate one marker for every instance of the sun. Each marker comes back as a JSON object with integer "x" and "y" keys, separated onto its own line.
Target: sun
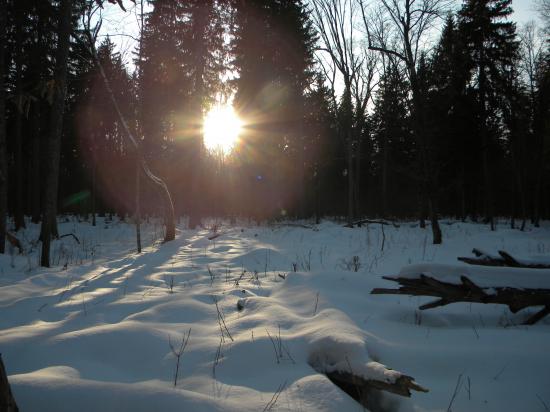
{"x": 221, "y": 129}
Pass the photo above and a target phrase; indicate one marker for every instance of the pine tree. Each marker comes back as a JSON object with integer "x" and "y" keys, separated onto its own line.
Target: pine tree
{"x": 541, "y": 132}
{"x": 395, "y": 151}
{"x": 492, "y": 49}
{"x": 452, "y": 121}
{"x": 180, "y": 67}
{"x": 273, "y": 55}
{"x": 101, "y": 145}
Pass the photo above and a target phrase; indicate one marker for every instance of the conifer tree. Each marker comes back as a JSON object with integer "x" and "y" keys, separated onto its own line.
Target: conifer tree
{"x": 273, "y": 55}
{"x": 492, "y": 50}
{"x": 392, "y": 136}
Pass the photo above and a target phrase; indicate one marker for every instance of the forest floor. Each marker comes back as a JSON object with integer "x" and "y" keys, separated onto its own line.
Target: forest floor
{"x": 266, "y": 309}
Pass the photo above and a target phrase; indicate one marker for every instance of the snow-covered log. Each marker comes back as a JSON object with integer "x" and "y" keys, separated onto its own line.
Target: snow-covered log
{"x": 503, "y": 259}
{"x": 451, "y": 287}
{"x": 357, "y": 385}
{"x": 337, "y": 350}
{"x": 7, "y": 402}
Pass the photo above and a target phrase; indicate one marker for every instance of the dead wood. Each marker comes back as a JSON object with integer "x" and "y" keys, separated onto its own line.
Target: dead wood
{"x": 360, "y": 388}
{"x": 361, "y": 222}
{"x": 504, "y": 259}
{"x": 516, "y": 299}
{"x": 70, "y": 234}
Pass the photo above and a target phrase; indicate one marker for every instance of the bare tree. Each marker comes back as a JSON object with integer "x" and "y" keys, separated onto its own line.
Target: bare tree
{"x": 531, "y": 52}
{"x": 544, "y": 10}
{"x": 91, "y": 32}
{"x": 342, "y": 60}
{"x": 405, "y": 25}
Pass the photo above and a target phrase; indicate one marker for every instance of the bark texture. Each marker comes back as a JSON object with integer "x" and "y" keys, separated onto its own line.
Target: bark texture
{"x": 49, "y": 226}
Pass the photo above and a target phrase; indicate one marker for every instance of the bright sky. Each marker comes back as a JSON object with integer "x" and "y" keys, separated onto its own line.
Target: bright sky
{"x": 123, "y": 27}
{"x": 525, "y": 10}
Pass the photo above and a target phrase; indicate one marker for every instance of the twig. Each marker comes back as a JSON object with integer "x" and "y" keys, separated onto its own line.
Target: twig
{"x": 274, "y": 347}
{"x": 212, "y": 275}
{"x": 316, "y": 303}
{"x": 543, "y": 403}
{"x": 457, "y": 388}
{"x": 221, "y": 320}
{"x": 500, "y": 372}
{"x": 275, "y": 396}
{"x": 217, "y": 358}
{"x": 179, "y": 352}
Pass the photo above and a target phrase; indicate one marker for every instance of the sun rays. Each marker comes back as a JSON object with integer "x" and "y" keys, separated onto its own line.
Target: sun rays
{"x": 221, "y": 129}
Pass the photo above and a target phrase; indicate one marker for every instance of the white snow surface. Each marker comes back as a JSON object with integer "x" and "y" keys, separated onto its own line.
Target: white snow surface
{"x": 92, "y": 332}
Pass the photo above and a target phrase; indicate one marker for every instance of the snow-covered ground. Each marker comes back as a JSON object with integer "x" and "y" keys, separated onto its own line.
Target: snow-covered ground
{"x": 268, "y": 309}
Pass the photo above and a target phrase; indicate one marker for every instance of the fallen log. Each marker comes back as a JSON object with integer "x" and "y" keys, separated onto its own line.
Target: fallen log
{"x": 369, "y": 221}
{"x": 364, "y": 390}
{"x": 214, "y": 236}
{"x": 504, "y": 259}
{"x": 72, "y": 235}
{"x": 467, "y": 291}
{"x": 356, "y": 385}
{"x": 7, "y": 402}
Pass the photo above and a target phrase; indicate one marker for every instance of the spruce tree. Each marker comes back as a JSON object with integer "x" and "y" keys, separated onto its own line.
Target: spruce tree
{"x": 492, "y": 50}
{"x": 394, "y": 157}
{"x": 273, "y": 55}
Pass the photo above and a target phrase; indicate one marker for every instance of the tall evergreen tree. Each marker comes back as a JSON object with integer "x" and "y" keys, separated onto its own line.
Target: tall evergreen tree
{"x": 452, "y": 122}
{"x": 180, "y": 68}
{"x": 395, "y": 152}
{"x": 273, "y": 55}
{"x": 492, "y": 47}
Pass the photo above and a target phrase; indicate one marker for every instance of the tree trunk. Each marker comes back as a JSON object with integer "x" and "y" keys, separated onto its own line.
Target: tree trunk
{"x": 3, "y": 159}
{"x": 35, "y": 175}
{"x": 487, "y": 177}
{"x": 56, "y": 130}
{"x": 537, "y": 196}
{"x": 7, "y": 402}
{"x": 428, "y": 172}
{"x": 463, "y": 193}
{"x": 385, "y": 163}
{"x": 19, "y": 213}
{"x": 94, "y": 173}
{"x": 357, "y": 183}
{"x": 422, "y": 208}
{"x": 436, "y": 229}
{"x": 350, "y": 177}
{"x": 138, "y": 210}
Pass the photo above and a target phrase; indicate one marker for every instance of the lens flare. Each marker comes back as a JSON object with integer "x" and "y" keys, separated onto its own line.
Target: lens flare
{"x": 221, "y": 129}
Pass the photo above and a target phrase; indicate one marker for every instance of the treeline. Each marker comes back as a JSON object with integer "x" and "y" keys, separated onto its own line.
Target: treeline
{"x": 349, "y": 109}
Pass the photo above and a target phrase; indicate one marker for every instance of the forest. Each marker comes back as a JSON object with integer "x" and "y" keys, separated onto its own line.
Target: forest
{"x": 274, "y": 205}
{"x": 352, "y": 108}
